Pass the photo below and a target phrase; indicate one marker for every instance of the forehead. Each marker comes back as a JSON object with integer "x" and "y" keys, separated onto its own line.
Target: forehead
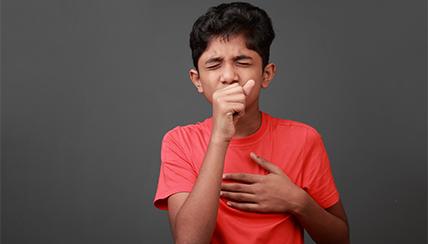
{"x": 223, "y": 47}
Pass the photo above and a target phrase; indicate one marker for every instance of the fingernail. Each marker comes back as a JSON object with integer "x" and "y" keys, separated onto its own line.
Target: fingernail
{"x": 254, "y": 155}
{"x": 229, "y": 204}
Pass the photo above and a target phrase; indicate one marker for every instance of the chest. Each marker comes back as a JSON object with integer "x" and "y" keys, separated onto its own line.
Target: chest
{"x": 284, "y": 152}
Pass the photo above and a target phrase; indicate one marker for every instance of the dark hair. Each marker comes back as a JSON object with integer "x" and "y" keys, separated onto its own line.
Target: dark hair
{"x": 232, "y": 19}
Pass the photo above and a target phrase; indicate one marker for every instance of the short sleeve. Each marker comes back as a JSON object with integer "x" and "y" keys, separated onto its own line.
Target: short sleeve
{"x": 177, "y": 174}
{"x": 318, "y": 180}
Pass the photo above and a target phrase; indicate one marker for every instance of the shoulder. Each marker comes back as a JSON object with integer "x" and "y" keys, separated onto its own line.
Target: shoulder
{"x": 200, "y": 129}
{"x": 294, "y": 127}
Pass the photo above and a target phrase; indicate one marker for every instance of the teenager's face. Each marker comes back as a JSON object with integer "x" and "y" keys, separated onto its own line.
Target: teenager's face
{"x": 225, "y": 62}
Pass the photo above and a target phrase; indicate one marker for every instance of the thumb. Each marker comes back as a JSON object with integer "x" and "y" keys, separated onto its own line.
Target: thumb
{"x": 248, "y": 87}
{"x": 269, "y": 167}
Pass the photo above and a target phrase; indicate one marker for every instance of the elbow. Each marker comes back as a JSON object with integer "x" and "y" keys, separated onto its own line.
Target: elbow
{"x": 346, "y": 239}
{"x": 347, "y": 236}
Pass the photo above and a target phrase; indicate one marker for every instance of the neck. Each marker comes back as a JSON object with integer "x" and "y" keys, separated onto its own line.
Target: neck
{"x": 249, "y": 124}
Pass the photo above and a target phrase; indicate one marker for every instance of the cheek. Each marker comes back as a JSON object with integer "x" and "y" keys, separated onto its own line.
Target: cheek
{"x": 255, "y": 92}
{"x": 209, "y": 96}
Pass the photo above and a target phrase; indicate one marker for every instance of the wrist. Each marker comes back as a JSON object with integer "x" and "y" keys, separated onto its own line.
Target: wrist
{"x": 302, "y": 201}
{"x": 220, "y": 137}
{"x": 220, "y": 141}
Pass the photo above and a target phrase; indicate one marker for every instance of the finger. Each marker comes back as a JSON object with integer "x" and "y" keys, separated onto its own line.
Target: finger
{"x": 242, "y": 177}
{"x": 270, "y": 167}
{"x": 248, "y": 87}
{"x": 249, "y": 207}
{"x": 233, "y": 103}
{"x": 238, "y": 112}
{"x": 233, "y": 88}
{"x": 238, "y": 197}
{"x": 234, "y": 98}
{"x": 236, "y": 187}
{"x": 228, "y": 90}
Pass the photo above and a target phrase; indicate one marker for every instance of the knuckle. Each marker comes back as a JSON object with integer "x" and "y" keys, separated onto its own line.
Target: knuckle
{"x": 237, "y": 187}
{"x": 246, "y": 208}
{"x": 220, "y": 99}
{"x": 262, "y": 181}
{"x": 240, "y": 187}
{"x": 243, "y": 177}
{"x": 216, "y": 95}
{"x": 240, "y": 197}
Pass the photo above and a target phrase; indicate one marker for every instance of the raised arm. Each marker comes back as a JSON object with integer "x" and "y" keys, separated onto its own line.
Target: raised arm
{"x": 193, "y": 215}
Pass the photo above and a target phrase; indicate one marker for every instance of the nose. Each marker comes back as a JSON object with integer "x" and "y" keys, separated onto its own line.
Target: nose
{"x": 229, "y": 75}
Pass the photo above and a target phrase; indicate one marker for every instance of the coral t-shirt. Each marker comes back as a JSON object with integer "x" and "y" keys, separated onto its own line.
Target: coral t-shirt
{"x": 295, "y": 147}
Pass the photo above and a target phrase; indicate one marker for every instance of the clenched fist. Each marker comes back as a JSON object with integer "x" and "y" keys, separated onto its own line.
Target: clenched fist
{"x": 228, "y": 107}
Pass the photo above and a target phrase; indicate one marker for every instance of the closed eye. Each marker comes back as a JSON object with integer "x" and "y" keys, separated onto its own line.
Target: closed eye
{"x": 213, "y": 66}
{"x": 243, "y": 60}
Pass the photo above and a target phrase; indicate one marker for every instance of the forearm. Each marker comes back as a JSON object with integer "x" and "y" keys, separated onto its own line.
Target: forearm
{"x": 196, "y": 219}
{"x": 321, "y": 225}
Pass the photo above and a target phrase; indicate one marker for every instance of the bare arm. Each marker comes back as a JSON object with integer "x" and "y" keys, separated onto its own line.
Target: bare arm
{"x": 193, "y": 215}
{"x": 324, "y": 225}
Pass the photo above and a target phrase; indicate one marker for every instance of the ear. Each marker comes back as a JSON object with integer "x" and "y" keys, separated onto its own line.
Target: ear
{"x": 268, "y": 74}
{"x": 194, "y": 76}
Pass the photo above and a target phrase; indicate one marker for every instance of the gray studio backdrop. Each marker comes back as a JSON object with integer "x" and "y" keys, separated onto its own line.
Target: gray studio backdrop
{"x": 89, "y": 88}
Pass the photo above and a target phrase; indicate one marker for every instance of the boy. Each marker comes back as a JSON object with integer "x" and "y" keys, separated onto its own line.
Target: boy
{"x": 214, "y": 184}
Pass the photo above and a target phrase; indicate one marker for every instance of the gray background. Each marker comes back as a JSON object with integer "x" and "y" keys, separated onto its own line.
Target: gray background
{"x": 90, "y": 87}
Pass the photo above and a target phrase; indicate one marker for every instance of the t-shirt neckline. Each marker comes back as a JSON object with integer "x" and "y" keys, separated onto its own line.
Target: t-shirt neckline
{"x": 244, "y": 140}
{"x": 254, "y": 137}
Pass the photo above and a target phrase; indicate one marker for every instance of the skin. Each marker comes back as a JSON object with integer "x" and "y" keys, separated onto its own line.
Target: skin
{"x": 231, "y": 77}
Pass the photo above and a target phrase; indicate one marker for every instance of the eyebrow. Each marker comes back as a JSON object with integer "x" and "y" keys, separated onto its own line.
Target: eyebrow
{"x": 213, "y": 60}
{"x": 241, "y": 57}
{"x": 218, "y": 59}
